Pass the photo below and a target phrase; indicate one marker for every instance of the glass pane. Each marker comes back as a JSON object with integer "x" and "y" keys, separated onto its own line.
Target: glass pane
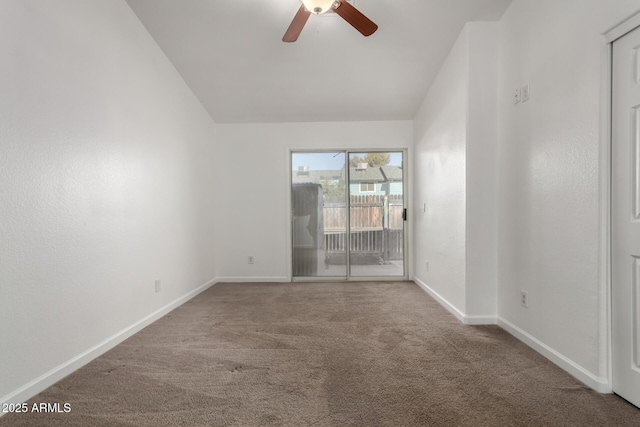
{"x": 318, "y": 199}
{"x": 376, "y": 232}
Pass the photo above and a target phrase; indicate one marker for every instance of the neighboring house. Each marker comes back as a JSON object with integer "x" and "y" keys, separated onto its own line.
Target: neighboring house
{"x": 325, "y": 177}
{"x": 364, "y": 180}
{"x": 393, "y": 177}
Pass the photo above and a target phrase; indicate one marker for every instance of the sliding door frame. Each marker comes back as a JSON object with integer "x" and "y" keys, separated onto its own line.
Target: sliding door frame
{"x": 405, "y": 202}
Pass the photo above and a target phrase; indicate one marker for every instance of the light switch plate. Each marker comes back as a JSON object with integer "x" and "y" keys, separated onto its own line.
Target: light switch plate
{"x": 525, "y": 92}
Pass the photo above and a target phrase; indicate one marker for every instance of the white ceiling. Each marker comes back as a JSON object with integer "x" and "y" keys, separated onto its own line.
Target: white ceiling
{"x": 231, "y": 55}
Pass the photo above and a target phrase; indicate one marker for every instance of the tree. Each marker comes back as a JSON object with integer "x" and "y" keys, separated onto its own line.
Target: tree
{"x": 334, "y": 189}
{"x": 377, "y": 159}
{"x": 355, "y": 160}
{"x": 374, "y": 160}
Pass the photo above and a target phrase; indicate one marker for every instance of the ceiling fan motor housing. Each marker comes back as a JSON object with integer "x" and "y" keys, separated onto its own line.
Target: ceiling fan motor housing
{"x": 318, "y": 6}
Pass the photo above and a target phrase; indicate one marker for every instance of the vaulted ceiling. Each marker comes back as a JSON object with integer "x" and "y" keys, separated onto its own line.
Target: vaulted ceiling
{"x": 231, "y": 55}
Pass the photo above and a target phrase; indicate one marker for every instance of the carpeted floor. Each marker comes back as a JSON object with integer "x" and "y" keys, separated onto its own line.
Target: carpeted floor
{"x": 322, "y": 354}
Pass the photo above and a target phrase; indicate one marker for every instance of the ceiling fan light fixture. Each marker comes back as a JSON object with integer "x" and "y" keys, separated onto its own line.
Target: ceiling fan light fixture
{"x": 317, "y": 6}
{"x": 343, "y": 8}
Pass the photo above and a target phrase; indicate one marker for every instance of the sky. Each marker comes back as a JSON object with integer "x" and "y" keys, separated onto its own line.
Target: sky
{"x": 332, "y": 160}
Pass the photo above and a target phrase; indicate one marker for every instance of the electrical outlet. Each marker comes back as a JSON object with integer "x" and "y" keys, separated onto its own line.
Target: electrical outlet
{"x": 250, "y": 260}
{"x": 158, "y": 285}
{"x": 524, "y": 299}
{"x": 426, "y": 265}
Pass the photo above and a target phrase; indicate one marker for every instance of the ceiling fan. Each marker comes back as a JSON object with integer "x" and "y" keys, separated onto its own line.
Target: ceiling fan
{"x": 349, "y": 13}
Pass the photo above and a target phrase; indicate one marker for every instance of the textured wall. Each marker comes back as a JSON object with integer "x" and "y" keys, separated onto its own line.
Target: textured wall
{"x": 105, "y": 181}
{"x": 482, "y": 172}
{"x": 549, "y": 239}
{"x": 456, "y": 177}
{"x": 440, "y": 179}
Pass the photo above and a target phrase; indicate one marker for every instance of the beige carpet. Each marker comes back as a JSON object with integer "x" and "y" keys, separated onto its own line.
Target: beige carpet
{"x": 337, "y": 354}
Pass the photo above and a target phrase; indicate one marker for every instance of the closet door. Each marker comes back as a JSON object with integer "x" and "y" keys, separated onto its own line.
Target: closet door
{"x": 625, "y": 217}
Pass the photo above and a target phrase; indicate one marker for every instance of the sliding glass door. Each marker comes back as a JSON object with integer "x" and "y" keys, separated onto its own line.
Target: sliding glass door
{"x": 376, "y": 212}
{"x": 348, "y": 214}
{"x": 318, "y": 214}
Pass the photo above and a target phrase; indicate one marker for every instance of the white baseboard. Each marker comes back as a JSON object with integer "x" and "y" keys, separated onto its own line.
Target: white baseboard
{"x": 443, "y": 302}
{"x": 601, "y": 385}
{"x": 480, "y": 320}
{"x": 252, "y": 279}
{"x": 46, "y": 380}
{"x": 460, "y": 315}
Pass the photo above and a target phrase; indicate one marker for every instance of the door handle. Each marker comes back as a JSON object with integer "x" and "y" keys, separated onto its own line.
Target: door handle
{"x": 404, "y": 214}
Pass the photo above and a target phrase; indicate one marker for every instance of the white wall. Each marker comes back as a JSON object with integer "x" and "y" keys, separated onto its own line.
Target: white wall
{"x": 439, "y": 164}
{"x": 455, "y": 177}
{"x": 542, "y": 183}
{"x": 111, "y": 173}
{"x": 482, "y": 173}
{"x": 549, "y": 240}
{"x": 254, "y": 192}
{"x": 106, "y": 184}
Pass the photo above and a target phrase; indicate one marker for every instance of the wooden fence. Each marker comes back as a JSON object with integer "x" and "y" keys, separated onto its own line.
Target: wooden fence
{"x": 367, "y": 213}
{"x": 376, "y": 228}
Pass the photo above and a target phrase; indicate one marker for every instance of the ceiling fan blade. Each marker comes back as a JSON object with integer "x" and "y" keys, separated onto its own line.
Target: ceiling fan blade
{"x": 354, "y": 17}
{"x": 297, "y": 25}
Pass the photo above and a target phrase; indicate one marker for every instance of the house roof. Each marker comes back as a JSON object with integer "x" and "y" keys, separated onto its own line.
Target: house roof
{"x": 392, "y": 173}
{"x": 368, "y": 174}
{"x": 371, "y": 174}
